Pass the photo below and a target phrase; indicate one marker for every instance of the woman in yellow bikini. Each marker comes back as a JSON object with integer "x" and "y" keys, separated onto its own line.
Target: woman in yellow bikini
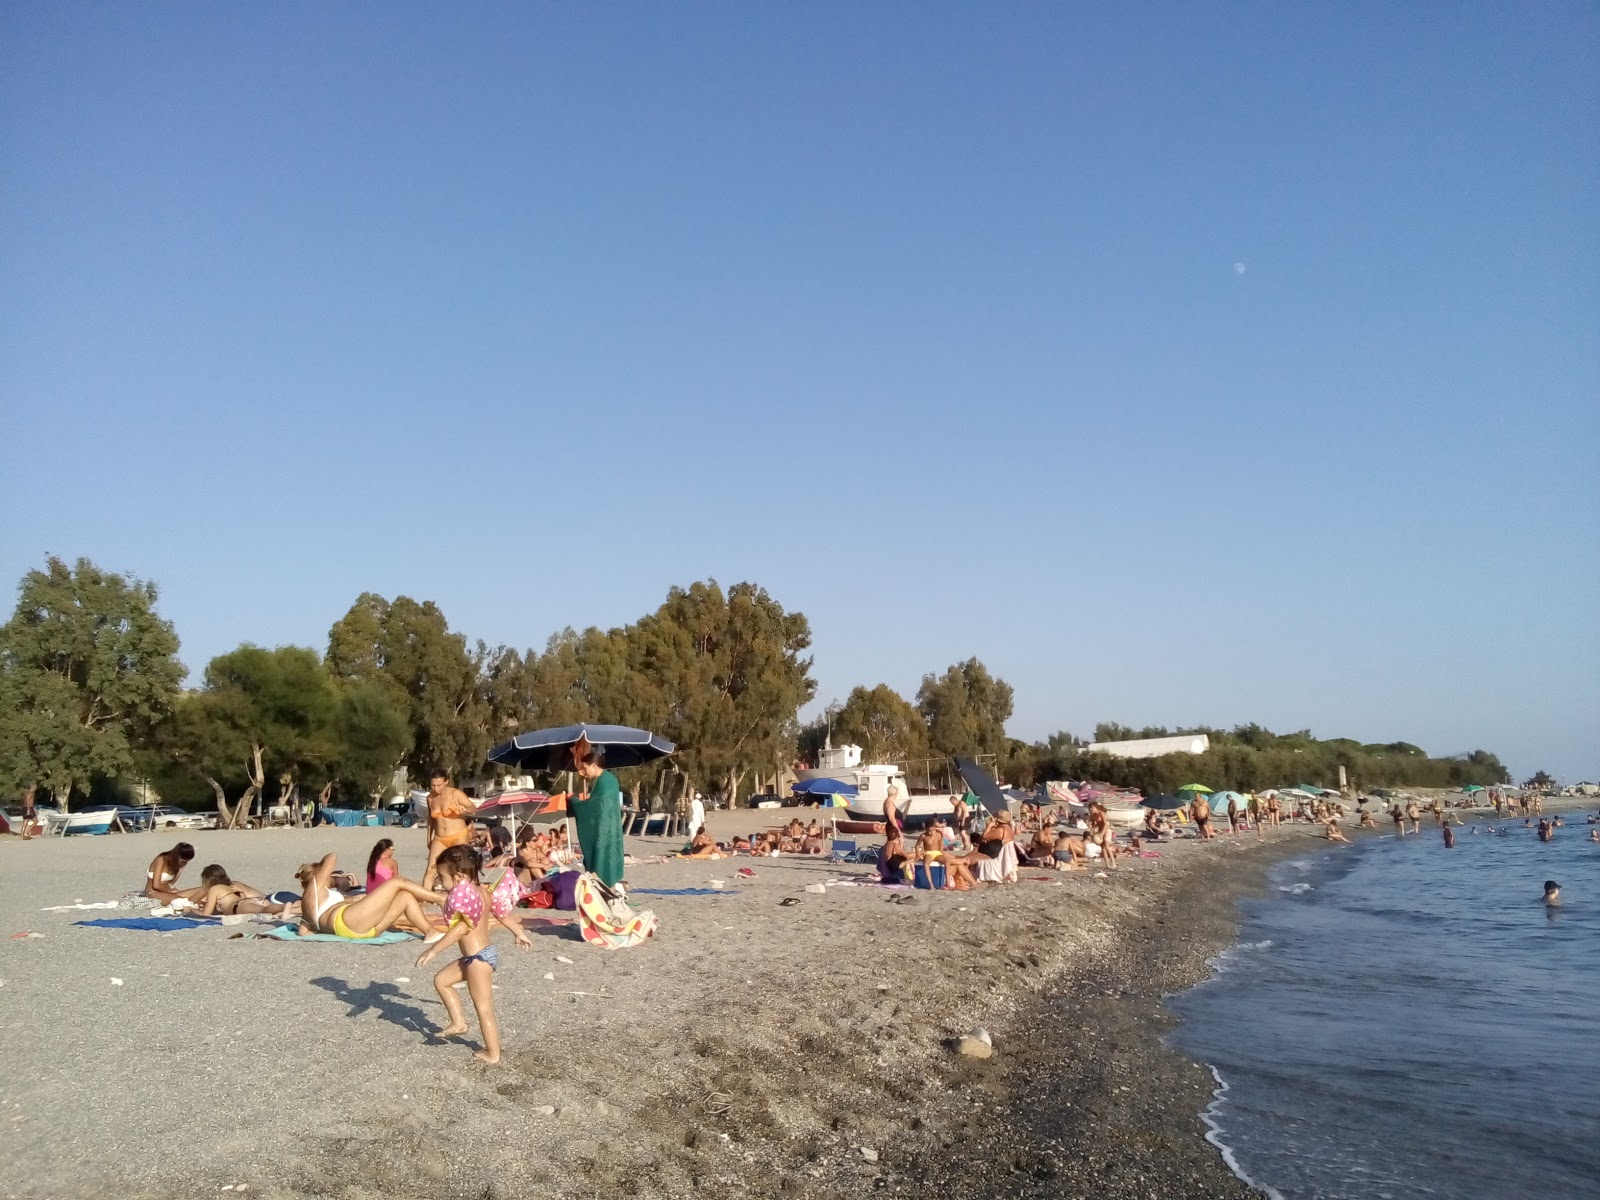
{"x": 323, "y": 909}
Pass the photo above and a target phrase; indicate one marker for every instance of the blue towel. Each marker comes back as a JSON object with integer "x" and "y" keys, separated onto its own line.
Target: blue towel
{"x": 683, "y": 891}
{"x": 161, "y": 923}
{"x": 286, "y": 933}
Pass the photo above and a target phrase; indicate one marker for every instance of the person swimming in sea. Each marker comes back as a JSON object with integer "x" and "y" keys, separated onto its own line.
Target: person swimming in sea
{"x": 1552, "y": 894}
{"x": 1546, "y": 831}
{"x": 1594, "y": 835}
{"x": 1449, "y": 837}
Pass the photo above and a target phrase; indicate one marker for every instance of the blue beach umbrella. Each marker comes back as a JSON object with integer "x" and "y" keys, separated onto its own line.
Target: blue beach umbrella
{"x": 825, "y": 787}
{"x": 551, "y": 749}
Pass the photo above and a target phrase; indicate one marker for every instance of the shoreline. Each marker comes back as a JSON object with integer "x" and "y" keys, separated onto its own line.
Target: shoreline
{"x": 751, "y": 1048}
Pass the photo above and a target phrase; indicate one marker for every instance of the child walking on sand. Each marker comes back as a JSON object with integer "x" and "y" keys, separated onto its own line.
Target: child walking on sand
{"x": 469, "y": 917}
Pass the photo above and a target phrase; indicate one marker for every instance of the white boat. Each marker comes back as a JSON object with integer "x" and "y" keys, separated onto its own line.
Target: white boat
{"x": 872, "y": 781}
{"x": 61, "y": 824}
{"x": 1122, "y": 809}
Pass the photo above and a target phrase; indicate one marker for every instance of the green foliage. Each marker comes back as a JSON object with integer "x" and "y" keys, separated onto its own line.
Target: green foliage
{"x": 966, "y": 710}
{"x": 1251, "y": 757}
{"x": 1540, "y": 779}
{"x": 87, "y": 669}
{"x": 883, "y": 723}
{"x": 407, "y": 649}
{"x": 277, "y": 716}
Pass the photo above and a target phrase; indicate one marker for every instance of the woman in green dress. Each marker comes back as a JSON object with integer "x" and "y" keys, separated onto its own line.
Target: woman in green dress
{"x": 598, "y": 816}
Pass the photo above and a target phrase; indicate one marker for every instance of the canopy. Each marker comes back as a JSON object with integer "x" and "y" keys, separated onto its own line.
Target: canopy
{"x": 1164, "y": 803}
{"x": 1194, "y": 787}
{"x": 550, "y": 749}
{"x": 1473, "y": 787}
{"x": 983, "y": 785}
{"x": 825, "y": 787}
{"x": 524, "y": 805}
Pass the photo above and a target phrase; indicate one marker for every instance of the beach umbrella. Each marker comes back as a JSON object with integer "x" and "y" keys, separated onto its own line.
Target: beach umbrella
{"x": 983, "y": 785}
{"x": 825, "y": 787}
{"x": 551, "y": 749}
{"x": 1472, "y": 787}
{"x": 1194, "y": 787}
{"x": 1164, "y": 803}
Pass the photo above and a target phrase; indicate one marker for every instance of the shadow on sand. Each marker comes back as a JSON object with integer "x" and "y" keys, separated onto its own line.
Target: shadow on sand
{"x": 384, "y": 999}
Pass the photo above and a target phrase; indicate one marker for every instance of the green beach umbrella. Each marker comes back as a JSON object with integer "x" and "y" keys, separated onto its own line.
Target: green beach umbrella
{"x": 1194, "y": 787}
{"x": 1473, "y": 787}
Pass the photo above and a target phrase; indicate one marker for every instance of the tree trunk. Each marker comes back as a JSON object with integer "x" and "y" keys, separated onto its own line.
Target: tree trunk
{"x": 734, "y": 779}
{"x": 325, "y": 795}
{"x": 223, "y": 812}
{"x": 258, "y": 781}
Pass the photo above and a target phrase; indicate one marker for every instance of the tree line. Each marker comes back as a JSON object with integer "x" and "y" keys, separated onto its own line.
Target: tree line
{"x": 91, "y": 699}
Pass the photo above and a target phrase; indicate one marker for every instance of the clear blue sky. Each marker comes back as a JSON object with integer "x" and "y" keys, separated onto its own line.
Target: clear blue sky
{"x": 1190, "y": 363}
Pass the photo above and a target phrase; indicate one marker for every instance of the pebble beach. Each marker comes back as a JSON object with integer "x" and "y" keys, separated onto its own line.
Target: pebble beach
{"x": 752, "y": 1048}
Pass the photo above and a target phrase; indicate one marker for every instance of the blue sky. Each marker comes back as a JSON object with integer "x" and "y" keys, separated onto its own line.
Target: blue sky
{"x": 1192, "y": 363}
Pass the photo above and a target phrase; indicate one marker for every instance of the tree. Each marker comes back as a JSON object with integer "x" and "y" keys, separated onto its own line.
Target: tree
{"x": 1540, "y": 780}
{"x": 276, "y": 716}
{"x": 886, "y": 725}
{"x": 429, "y": 672}
{"x": 721, "y": 674}
{"x": 966, "y": 710}
{"x": 87, "y": 669}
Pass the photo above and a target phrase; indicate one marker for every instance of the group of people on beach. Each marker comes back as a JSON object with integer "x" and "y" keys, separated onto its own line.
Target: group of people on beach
{"x": 334, "y": 903}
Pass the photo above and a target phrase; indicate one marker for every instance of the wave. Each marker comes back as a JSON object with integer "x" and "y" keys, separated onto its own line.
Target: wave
{"x": 1214, "y": 1136}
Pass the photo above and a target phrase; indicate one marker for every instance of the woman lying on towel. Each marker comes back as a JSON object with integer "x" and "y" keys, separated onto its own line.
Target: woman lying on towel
{"x": 396, "y": 904}
{"x": 221, "y": 896}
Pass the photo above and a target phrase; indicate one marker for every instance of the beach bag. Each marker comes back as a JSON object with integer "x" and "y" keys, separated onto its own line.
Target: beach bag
{"x": 606, "y": 921}
{"x": 562, "y": 888}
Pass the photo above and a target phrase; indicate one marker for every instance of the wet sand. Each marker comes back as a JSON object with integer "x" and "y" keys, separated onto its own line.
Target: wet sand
{"x": 751, "y": 1049}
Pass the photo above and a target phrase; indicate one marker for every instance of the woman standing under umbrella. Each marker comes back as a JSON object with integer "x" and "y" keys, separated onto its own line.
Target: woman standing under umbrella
{"x": 598, "y": 815}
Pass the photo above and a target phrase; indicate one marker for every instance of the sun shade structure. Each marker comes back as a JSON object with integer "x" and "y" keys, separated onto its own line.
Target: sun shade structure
{"x": 825, "y": 787}
{"x": 1194, "y": 787}
{"x": 1164, "y": 803}
{"x": 551, "y": 749}
{"x": 983, "y": 785}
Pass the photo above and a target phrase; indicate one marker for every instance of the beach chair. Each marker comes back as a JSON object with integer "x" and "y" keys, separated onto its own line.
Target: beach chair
{"x": 845, "y": 850}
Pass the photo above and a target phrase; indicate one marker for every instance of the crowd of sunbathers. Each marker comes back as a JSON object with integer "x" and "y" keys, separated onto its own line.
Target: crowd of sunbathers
{"x": 794, "y": 838}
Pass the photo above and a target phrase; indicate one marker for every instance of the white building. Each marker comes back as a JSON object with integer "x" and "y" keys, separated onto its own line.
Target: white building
{"x": 1189, "y": 743}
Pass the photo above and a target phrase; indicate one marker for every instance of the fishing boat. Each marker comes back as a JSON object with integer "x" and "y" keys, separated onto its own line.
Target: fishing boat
{"x": 63, "y": 824}
{"x": 871, "y": 781}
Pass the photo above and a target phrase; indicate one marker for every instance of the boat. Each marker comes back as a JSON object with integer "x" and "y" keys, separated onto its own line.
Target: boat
{"x": 1123, "y": 809}
{"x": 62, "y": 824}
{"x": 871, "y": 781}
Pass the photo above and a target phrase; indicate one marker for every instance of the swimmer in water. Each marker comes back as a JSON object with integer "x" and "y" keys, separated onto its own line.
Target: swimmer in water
{"x": 1552, "y": 894}
{"x": 1449, "y": 837}
{"x": 1594, "y": 835}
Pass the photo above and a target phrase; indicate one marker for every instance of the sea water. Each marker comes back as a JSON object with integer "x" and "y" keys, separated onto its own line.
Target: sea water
{"x": 1402, "y": 1020}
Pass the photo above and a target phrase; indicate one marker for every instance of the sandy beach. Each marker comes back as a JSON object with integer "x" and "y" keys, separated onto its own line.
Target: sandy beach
{"x": 751, "y": 1049}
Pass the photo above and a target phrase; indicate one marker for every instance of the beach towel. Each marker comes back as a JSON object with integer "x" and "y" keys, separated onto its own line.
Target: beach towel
{"x": 683, "y": 891}
{"x": 286, "y": 933}
{"x": 609, "y": 925}
{"x": 164, "y": 924}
